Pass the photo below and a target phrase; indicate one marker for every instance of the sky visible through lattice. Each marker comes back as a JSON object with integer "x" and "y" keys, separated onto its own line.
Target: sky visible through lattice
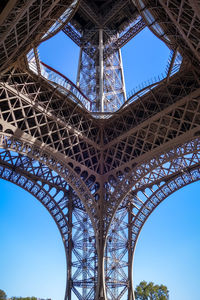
{"x": 32, "y": 261}
{"x": 144, "y": 58}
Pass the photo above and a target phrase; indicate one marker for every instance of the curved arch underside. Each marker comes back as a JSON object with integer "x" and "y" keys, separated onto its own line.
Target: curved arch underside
{"x": 64, "y": 148}
{"x": 171, "y": 172}
{"x": 100, "y": 179}
{"x": 64, "y": 206}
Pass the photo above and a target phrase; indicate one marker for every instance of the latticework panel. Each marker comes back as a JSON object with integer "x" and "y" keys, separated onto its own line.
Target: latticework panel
{"x": 22, "y": 26}
{"x": 89, "y": 79}
{"x": 68, "y": 213}
{"x": 166, "y": 113}
{"x": 42, "y": 112}
{"x": 116, "y": 257}
{"x": 99, "y": 179}
{"x": 84, "y": 256}
{"x": 184, "y": 16}
{"x": 176, "y": 23}
{"x": 137, "y": 207}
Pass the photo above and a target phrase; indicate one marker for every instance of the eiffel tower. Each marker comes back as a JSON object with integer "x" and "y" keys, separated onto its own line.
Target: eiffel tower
{"x": 98, "y": 161}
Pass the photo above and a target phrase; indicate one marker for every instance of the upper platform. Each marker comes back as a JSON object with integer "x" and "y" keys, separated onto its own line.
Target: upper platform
{"x": 112, "y": 15}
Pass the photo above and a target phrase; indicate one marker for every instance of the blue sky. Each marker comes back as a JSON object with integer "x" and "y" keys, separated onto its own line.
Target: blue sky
{"x": 32, "y": 260}
{"x": 144, "y": 57}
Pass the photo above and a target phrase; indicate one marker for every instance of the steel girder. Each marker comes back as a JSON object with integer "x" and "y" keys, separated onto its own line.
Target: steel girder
{"x": 36, "y": 125}
{"x": 21, "y": 22}
{"x": 174, "y": 172}
{"x": 113, "y": 78}
{"x": 177, "y": 23}
{"x": 100, "y": 179}
{"x": 67, "y": 211}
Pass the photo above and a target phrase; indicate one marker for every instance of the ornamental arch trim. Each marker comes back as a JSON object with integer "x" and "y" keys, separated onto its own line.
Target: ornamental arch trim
{"x": 44, "y": 193}
{"x": 46, "y": 158}
{"x": 158, "y": 168}
{"x": 169, "y": 174}
{"x": 64, "y": 206}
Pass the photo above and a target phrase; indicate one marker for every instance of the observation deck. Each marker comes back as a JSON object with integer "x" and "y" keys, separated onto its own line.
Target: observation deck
{"x": 101, "y": 29}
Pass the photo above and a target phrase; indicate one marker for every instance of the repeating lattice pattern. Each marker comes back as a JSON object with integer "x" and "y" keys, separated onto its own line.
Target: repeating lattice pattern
{"x": 175, "y": 22}
{"x": 184, "y": 16}
{"x": 100, "y": 179}
{"x": 164, "y": 114}
{"x": 127, "y": 224}
{"x": 64, "y": 206}
{"x": 23, "y": 24}
{"x": 28, "y": 113}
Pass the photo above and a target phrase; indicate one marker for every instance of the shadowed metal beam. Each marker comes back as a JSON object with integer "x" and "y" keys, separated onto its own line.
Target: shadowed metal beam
{"x": 178, "y": 26}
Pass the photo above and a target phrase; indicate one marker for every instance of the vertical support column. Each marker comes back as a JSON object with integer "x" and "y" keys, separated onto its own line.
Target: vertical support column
{"x": 101, "y": 85}
{"x": 101, "y": 291}
{"x": 101, "y": 244}
{"x": 130, "y": 253}
{"x": 79, "y": 68}
{"x": 37, "y": 60}
{"x": 114, "y": 85}
{"x": 68, "y": 295}
{"x": 100, "y": 72}
{"x": 122, "y": 74}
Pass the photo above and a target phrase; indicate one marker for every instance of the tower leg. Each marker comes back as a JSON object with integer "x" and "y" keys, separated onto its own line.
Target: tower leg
{"x": 69, "y": 248}
{"x": 101, "y": 290}
{"x": 130, "y": 253}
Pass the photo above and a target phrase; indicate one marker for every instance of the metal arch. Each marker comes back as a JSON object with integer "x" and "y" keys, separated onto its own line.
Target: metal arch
{"x": 154, "y": 170}
{"x": 48, "y": 159}
{"x": 63, "y": 205}
{"x": 173, "y": 22}
{"x": 44, "y": 197}
{"x": 127, "y": 225}
{"x": 35, "y": 14}
{"x": 39, "y": 191}
{"x": 160, "y": 195}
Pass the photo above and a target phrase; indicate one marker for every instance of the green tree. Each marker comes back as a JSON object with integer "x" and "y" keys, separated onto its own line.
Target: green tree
{"x": 24, "y": 298}
{"x": 151, "y": 291}
{"x": 2, "y": 295}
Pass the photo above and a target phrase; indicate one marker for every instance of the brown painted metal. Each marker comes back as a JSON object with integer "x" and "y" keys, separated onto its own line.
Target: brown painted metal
{"x": 100, "y": 178}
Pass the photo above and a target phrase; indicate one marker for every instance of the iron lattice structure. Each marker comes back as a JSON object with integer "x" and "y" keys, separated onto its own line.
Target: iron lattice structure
{"x": 98, "y": 172}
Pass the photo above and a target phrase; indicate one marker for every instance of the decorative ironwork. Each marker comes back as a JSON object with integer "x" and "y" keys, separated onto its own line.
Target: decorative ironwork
{"x": 99, "y": 173}
{"x": 26, "y": 21}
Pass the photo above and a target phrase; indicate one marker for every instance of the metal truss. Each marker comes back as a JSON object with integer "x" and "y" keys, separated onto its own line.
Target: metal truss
{"x": 167, "y": 174}
{"x": 100, "y": 175}
{"x": 119, "y": 41}
{"x": 129, "y": 176}
{"x": 21, "y": 23}
{"x": 68, "y": 213}
{"x": 100, "y": 75}
{"x": 100, "y": 72}
{"x": 113, "y": 79}
{"x": 177, "y": 23}
{"x": 129, "y": 220}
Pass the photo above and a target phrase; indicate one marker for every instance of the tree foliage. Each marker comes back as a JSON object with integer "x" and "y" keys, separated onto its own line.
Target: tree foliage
{"x": 22, "y": 298}
{"x": 2, "y": 295}
{"x": 151, "y": 291}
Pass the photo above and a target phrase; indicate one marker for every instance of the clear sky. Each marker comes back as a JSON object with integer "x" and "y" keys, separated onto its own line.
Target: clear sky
{"x": 32, "y": 260}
